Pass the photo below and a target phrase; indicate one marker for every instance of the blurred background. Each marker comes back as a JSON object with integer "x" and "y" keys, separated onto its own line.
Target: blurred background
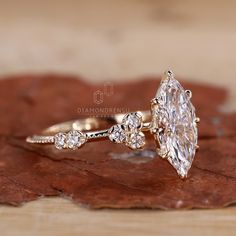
{"x": 125, "y": 39}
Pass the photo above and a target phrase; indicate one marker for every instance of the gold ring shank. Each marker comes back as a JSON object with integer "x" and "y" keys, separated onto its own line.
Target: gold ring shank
{"x": 90, "y": 127}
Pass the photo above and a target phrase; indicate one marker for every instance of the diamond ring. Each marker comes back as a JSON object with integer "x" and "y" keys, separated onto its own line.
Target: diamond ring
{"x": 172, "y": 121}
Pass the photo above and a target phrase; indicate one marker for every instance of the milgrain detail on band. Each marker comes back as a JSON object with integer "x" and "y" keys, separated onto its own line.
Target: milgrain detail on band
{"x": 40, "y": 139}
{"x": 97, "y": 134}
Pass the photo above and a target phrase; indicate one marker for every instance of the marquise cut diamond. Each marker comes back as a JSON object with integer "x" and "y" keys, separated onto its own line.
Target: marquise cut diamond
{"x": 174, "y": 118}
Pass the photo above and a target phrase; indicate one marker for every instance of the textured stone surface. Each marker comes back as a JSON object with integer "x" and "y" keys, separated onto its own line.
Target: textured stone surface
{"x": 105, "y": 174}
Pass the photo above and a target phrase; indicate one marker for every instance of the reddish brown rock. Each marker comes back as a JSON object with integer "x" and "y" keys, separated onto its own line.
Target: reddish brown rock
{"x": 104, "y": 174}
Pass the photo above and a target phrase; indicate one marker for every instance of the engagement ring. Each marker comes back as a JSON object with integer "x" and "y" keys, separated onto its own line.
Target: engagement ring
{"x": 171, "y": 120}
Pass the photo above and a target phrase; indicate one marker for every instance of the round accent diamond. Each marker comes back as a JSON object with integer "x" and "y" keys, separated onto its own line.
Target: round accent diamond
{"x": 133, "y": 120}
{"x": 75, "y": 139}
{"x": 136, "y": 140}
{"x": 117, "y": 133}
{"x": 60, "y": 140}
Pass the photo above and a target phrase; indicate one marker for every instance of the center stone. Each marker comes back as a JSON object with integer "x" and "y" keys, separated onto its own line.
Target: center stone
{"x": 174, "y": 118}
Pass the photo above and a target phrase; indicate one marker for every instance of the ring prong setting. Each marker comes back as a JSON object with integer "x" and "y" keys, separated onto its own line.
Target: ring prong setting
{"x": 188, "y": 93}
{"x": 154, "y": 102}
{"x": 197, "y": 120}
{"x": 197, "y": 147}
{"x": 162, "y": 153}
{"x": 168, "y": 74}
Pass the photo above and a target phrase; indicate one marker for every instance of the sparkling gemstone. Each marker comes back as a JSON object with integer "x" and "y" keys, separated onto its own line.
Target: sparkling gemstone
{"x": 174, "y": 117}
{"x": 60, "y": 140}
{"x": 136, "y": 140}
{"x": 132, "y": 120}
{"x": 75, "y": 139}
{"x": 117, "y": 133}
